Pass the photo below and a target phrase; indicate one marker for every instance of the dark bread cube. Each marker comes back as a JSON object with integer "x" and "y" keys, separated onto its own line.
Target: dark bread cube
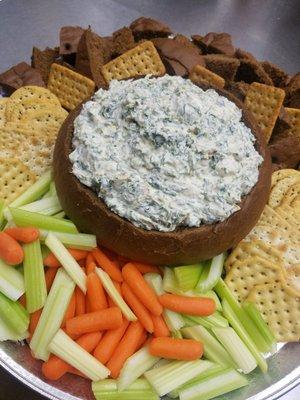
{"x": 238, "y": 89}
{"x": 123, "y": 40}
{"x": 69, "y": 37}
{"x": 213, "y": 42}
{"x": 186, "y": 41}
{"x": 251, "y": 71}
{"x": 285, "y": 152}
{"x": 174, "y": 67}
{"x": 148, "y": 28}
{"x": 20, "y": 75}
{"x": 292, "y": 98}
{"x": 240, "y": 53}
{"x": 278, "y": 76}
{"x": 222, "y": 65}
{"x": 43, "y": 59}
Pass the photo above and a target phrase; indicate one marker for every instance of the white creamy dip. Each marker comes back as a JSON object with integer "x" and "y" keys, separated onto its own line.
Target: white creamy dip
{"x": 163, "y": 153}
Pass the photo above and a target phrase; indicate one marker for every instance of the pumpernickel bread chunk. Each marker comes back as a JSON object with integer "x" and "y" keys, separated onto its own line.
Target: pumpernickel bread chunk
{"x": 278, "y": 76}
{"x": 123, "y": 40}
{"x": 20, "y": 75}
{"x": 250, "y": 71}
{"x": 214, "y": 42}
{"x": 222, "y": 65}
{"x": 43, "y": 59}
{"x": 148, "y": 28}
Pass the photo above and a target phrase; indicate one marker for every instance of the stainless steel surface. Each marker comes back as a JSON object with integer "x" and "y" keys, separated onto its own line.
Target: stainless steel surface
{"x": 269, "y": 29}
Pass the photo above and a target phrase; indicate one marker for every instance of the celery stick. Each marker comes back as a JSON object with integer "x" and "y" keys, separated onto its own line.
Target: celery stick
{"x": 67, "y": 260}
{"x": 47, "y": 195}
{"x": 210, "y": 294}
{"x": 187, "y": 276}
{"x": 236, "y": 348}
{"x": 176, "y": 334}
{"x": 211, "y": 274}
{"x": 213, "y": 350}
{"x": 224, "y": 293}
{"x": 27, "y": 218}
{"x": 53, "y": 189}
{"x": 65, "y": 348}
{"x": 173, "y": 320}
{"x": 48, "y": 206}
{"x": 215, "y": 385}
{"x": 34, "y": 276}
{"x": 244, "y": 335}
{"x": 260, "y": 323}
{"x": 11, "y": 281}
{"x": 155, "y": 281}
{"x": 115, "y": 295}
{"x": 13, "y": 314}
{"x": 169, "y": 281}
{"x": 162, "y": 362}
{"x": 108, "y": 390}
{"x": 52, "y": 315}
{"x": 82, "y": 241}
{"x": 60, "y": 215}
{"x": 2, "y": 206}
{"x": 210, "y": 321}
{"x": 176, "y": 373}
{"x": 7, "y": 333}
{"x": 135, "y": 366}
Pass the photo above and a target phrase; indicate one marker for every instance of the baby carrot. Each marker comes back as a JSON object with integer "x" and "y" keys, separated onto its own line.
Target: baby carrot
{"x": 141, "y": 289}
{"x": 202, "y": 306}
{"x": 109, "y": 318}
{"x": 122, "y": 260}
{"x": 176, "y": 349}
{"x": 70, "y": 312}
{"x": 10, "y": 250}
{"x": 50, "y": 276}
{"x": 125, "y": 348}
{"x": 108, "y": 266}
{"x": 88, "y": 308}
{"x": 90, "y": 264}
{"x": 143, "y": 340}
{"x": 55, "y": 367}
{"x": 137, "y": 307}
{"x": 145, "y": 268}
{"x": 109, "y": 342}
{"x": 52, "y": 261}
{"x": 22, "y": 300}
{"x": 160, "y": 327}
{"x": 34, "y": 319}
{"x": 95, "y": 292}
{"x": 24, "y": 235}
{"x": 80, "y": 301}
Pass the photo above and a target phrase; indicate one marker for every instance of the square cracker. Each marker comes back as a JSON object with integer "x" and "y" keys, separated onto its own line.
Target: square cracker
{"x": 264, "y": 102}
{"x": 141, "y": 60}
{"x": 294, "y": 114}
{"x": 279, "y": 190}
{"x": 280, "y": 308}
{"x": 283, "y": 173}
{"x": 70, "y": 87}
{"x": 199, "y": 74}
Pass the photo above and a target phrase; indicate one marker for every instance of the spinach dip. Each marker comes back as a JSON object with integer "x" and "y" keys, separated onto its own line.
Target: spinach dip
{"x": 163, "y": 153}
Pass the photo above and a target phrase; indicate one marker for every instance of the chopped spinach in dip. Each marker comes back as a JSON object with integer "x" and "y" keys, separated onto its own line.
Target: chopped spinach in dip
{"x": 163, "y": 153}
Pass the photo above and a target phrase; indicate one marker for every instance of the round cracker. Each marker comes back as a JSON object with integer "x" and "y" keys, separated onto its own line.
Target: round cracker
{"x": 36, "y": 93}
{"x": 15, "y": 109}
{"x": 279, "y": 190}
{"x": 3, "y": 103}
{"x": 53, "y": 117}
{"x": 292, "y": 196}
{"x": 283, "y": 173}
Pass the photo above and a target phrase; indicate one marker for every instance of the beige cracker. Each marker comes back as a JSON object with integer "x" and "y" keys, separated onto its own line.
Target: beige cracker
{"x": 3, "y": 103}
{"x": 141, "y": 60}
{"x": 283, "y": 173}
{"x": 51, "y": 117}
{"x": 279, "y": 191}
{"x": 294, "y": 114}
{"x": 35, "y": 93}
{"x": 292, "y": 196}
{"x": 264, "y": 102}
{"x": 70, "y": 87}
{"x": 199, "y": 74}
{"x": 15, "y": 110}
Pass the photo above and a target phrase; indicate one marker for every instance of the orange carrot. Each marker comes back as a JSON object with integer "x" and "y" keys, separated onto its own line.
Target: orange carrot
{"x": 22, "y": 300}
{"x": 160, "y": 327}
{"x": 137, "y": 307}
{"x": 80, "y": 301}
{"x": 10, "y": 250}
{"x": 176, "y": 349}
{"x": 125, "y": 348}
{"x": 144, "y": 338}
{"x": 75, "y": 371}
{"x": 109, "y": 342}
{"x": 24, "y": 235}
{"x": 34, "y": 319}
{"x": 55, "y": 367}
{"x": 141, "y": 289}
{"x": 82, "y": 264}
{"x": 52, "y": 261}
{"x": 108, "y": 266}
{"x": 70, "y": 312}
{"x": 88, "y": 308}
{"x": 145, "y": 268}
{"x": 50, "y": 276}
{"x": 109, "y": 318}
{"x": 202, "y": 306}
{"x": 95, "y": 292}
{"x": 118, "y": 287}
{"x": 109, "y": 253}
{"x": 90, "y": 264}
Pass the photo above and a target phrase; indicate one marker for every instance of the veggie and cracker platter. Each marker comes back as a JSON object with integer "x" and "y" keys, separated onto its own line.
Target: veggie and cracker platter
{"x": 149, "y": 211}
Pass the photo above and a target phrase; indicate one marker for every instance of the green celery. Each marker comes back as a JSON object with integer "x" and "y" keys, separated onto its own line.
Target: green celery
{"x": 155, "y": 281}
{"x": 7, "y": 333}
{"x": 215, "y": 319}
{"x": 107, "y": 389}
{"x": 211, "y": 274}
{"x": 162, "y": 362}
{"x": 47, "y": 195}
{"x": 65, "y": 348}
{"x": 27, "y": 218}
{"x": 60, "y": 215}
{"x": 210, "y": 294}
{"x": 11, "y": 281}
{"x": 169, "y": 281}
{"x": 81, "y": 241}
{"x": 224, "y": 293}
{"x": 67, "y": 260}
{"x": 173, "y": 320}
{"x": 53, "y": 189}
{"x": 135, "y": 366}
{"x": 176, "y": 334}
{"x": 187, "y": 276}
{"x": 213, "y": 386}
{"x": 213, "y": 350}
{"x": 236, "y": 348}
{"x": 169, "y": 377}
{"x": 114, "y": 294}
{"x": 34, "y": 192}
{"x": 52, "y": 315}
{"x": 14, "y": 314}
{"x": 236, "y": 323}
{"x": 48, "y": 206}
{"x": 34, "y": 276}
{"x": 260, "y": 323}
{"x": 2, "y": 207}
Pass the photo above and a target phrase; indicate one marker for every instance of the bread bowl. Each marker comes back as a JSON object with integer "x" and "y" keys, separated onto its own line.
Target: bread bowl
{"x": 184, "y": 245}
